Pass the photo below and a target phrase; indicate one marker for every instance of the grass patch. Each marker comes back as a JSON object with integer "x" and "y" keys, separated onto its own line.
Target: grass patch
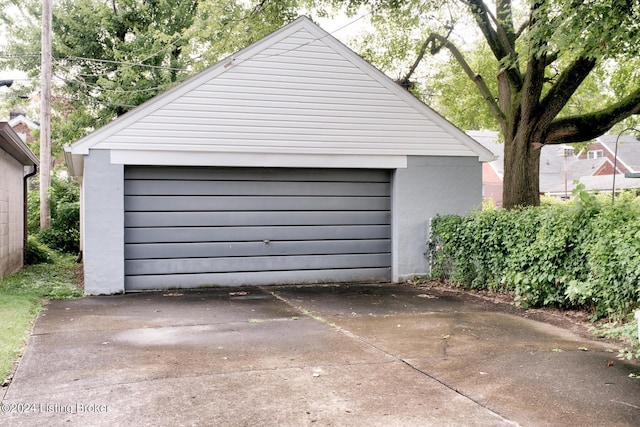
{"x": 21, "y": 298}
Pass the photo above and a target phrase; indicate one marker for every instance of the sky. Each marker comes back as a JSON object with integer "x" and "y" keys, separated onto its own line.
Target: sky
{"x": 7, "y": 74}
{"x": 340, "y": 26}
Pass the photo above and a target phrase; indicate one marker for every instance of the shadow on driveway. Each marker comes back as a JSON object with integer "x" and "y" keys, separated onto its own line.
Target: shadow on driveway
{"x": 333, "y": 355}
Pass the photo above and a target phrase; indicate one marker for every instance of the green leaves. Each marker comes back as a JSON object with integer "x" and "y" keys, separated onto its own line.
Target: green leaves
{"x": 111, "y": 56}
{"x": 64, "y": 233}
{"x": 581, "y": 254}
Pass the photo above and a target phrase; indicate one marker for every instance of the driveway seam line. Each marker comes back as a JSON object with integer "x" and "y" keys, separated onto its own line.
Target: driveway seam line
{"x": 455, "y": 390}
{"x": 350, "y": 334}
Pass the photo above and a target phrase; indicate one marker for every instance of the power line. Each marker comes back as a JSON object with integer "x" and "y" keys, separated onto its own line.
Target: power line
{"x": 130, "y": 64}
{"x": 17, "y": 55}
{"x": 319, "y": 38}
{"x": 81, "y": 58}
{"x": 161, "y": 67}
{"x": 100, "y": 89}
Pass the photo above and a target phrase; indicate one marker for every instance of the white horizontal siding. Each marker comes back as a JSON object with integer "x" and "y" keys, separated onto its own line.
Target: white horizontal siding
{"x": 296, "y": 117}
{"x": 273, "y": 132}
{"x": 298, "y": 95}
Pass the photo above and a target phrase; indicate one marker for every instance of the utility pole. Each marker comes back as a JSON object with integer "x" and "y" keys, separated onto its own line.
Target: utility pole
{"x": 45, "y": 115}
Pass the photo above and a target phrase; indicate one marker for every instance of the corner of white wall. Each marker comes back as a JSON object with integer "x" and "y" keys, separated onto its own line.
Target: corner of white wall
{"x": 428, "y": 186}
{"x": 103, "y": 225}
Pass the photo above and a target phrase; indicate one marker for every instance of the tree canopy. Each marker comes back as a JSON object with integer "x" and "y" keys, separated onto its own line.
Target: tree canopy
{"x": 110, "y": 56}
{"x": 541, "y": 58}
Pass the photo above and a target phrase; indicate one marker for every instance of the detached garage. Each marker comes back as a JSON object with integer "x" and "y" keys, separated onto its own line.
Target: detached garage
{"x": 292, "y": 161}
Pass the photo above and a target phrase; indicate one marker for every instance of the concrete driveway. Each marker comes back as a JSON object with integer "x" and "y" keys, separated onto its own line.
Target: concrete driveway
{"x": 358, "y": 355}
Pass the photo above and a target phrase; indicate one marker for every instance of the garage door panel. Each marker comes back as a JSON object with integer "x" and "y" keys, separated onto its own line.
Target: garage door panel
{"x": 268, "y": 248}
{"x": 252, "y": 203}
{"x": 253, "y": 188}
{"x": 179, "y": 173}
{"x": 240, "y": 234}
{"x": 150, "y": 282}
{"x": 203, "y": 219}
{"x": 270, "y": 263}
{"x": 204, "y": 226}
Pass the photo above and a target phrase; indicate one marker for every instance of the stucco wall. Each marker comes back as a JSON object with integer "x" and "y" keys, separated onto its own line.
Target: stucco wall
{"x": 103, "y": 204}
{"x": 427, "y": 187}
{"x": 11, "y": 214}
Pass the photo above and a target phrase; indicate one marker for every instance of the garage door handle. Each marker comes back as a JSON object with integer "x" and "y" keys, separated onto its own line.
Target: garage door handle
{"x": 266, "y": 242}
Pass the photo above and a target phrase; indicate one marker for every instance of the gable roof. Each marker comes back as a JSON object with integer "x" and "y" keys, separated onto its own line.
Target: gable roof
{"x": 21, "y": 119}
{"x": 298, "y": 91}
{"x": 490, "y": 140}
{"x": 13, "y": 144}
{"x": 628, "y": 149}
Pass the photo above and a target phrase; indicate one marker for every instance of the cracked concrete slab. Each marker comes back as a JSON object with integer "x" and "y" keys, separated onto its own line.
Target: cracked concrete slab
{"x": 370, "y": 355}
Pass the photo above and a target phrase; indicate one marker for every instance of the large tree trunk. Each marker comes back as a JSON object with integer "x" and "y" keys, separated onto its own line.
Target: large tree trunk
{"x": 534, "y": 87}
{"x": 521, "y": 172}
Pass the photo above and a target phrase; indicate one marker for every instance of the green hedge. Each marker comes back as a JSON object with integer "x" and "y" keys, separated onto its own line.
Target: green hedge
{"x": 584, "y": 253}
{"x": 64, "y": 199}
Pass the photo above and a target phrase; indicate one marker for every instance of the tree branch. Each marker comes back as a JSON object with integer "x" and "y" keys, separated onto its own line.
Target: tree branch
{"x": 589, "y": 126}
{"x": 551, "y": 58}
{"x": 504, "y": 23}
{"x": 404, "y": 81}
{"x": 532, "y": 87}
{"x": 534, "y": 76}
{"x": 437, "y": 42}
{"x": 499, "y": 44}
{"x": 521, "y": 29}
{"x": 568, "y": 82}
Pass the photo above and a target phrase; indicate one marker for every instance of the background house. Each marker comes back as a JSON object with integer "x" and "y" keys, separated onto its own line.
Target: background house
{"x": 17, "y": 163}
{"x": 24, "y": 127}
{"x": 493, "y": 171}
{"x": 292, "y": 161}
{"x": 560, "y": 166}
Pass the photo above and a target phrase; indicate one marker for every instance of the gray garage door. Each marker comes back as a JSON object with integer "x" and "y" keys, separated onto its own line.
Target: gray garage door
{"x": 189, "y": 227}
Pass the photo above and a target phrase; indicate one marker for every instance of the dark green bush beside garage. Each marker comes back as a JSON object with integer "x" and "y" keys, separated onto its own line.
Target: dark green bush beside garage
{"x": 582, "y": 254}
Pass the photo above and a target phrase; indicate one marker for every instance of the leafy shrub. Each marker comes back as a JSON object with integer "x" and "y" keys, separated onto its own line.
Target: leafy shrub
{"x": 64, "y": 233}
{"x": 613, "y": 259}
{"x": 578, "y": 254}
{"x": 33, "y": 210}
{"x": 627, "y": 331}
{"x": 37, "y": 253}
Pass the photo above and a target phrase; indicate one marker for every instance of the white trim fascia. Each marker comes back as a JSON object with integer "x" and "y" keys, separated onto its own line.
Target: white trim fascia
{"x": 604, "y": 161}
{"x": 22, "y": 119}
{"x": 74, "y": 162}
{"x": 498, "y": 174}
{"x": 230, "y": 148}
{"x": 11, "y": 142}
{"x": 195, "y": 158}
{"x": 613, "y": 153}
{"x": 620, "y": 162}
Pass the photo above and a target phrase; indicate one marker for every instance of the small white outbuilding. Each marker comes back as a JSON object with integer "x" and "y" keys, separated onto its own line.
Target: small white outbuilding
{"x": 292, "y": 161}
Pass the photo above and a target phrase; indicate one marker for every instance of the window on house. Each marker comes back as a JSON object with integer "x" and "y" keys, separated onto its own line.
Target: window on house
{"x": 565, "y": 151}
{"x": 595, "y": 154}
